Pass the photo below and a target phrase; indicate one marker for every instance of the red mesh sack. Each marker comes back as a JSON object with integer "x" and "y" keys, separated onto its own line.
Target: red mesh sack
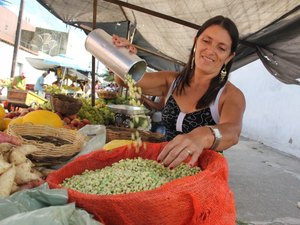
{"x": 204, "y": 198}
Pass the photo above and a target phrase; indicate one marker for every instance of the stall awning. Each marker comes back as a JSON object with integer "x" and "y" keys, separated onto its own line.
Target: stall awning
{"x": 269, "y": 30}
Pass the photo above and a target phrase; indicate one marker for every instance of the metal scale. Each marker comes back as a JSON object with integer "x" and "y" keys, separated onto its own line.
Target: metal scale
{"x": 125, "y": 114}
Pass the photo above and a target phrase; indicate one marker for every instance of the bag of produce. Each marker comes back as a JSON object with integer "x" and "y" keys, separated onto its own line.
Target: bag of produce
{"x": 203, "y": 198}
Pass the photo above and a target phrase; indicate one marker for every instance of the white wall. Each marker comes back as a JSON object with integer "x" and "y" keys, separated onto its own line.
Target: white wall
{"x": 76, "y": 49}
{"x": 272, "y": 113}
{"x": 31, "y": 74}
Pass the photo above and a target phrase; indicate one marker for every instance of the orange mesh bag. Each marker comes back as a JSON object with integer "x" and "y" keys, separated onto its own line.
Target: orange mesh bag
{"x": 204, "y": 198}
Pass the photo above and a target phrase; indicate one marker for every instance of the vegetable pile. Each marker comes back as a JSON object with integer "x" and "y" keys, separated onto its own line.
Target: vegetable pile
{"x": 126, "y": 176}
{"x": 15, "y": 168}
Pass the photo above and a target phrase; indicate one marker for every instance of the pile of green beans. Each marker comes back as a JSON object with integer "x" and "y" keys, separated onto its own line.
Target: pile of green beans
{"x": 126, "y": 176}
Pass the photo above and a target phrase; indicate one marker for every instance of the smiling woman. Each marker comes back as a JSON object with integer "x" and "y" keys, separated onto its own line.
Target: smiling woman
{"x": 203, "y": 110}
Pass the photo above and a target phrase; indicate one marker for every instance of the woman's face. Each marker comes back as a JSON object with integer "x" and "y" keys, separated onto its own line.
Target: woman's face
{"x": 213, "y": 50}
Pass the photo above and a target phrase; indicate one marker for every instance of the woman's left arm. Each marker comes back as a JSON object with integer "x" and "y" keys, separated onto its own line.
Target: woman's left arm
{"x": 192, "y": 144}
{"x": 231, "y": 117}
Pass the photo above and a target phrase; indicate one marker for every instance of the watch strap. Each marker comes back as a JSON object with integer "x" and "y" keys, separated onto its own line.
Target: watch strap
{"x": 217, "y": 137}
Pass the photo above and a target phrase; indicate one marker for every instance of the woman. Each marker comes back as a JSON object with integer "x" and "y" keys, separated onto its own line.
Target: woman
{"x": 203, "y": 109}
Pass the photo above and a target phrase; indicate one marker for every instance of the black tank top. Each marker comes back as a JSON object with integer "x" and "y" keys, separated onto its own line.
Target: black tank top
{"x": 177, "y": 122}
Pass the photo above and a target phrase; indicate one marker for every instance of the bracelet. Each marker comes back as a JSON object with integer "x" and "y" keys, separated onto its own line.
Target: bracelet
{"x": 217, "y": 137}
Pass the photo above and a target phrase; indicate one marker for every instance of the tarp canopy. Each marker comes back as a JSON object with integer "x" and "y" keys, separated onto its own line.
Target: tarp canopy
{"x": 164, "y": 30}
{"x": 68, "y": 64}
{"x": 49, "y": 62}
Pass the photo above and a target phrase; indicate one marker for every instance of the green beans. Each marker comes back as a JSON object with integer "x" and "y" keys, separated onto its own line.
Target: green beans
{"x": 139, "y": 121}
{"x": 126, "y": 176}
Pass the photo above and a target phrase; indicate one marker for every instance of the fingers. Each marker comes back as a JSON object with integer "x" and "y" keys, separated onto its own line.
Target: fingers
{"x": 195, "y": 157}
{"x": 123, "y": 42}
{"x": 178, "y": 150}
{"x": 119, "y": 41}
{"x": 169, "y": 155}
{"x": 164, "y": 153}
{"x": 179, "y": 159}
{"x": 132, "y": 49}
{"x": 175, "y": 152}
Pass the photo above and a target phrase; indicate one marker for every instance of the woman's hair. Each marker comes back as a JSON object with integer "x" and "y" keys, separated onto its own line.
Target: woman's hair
{"x": 216, "y": 84}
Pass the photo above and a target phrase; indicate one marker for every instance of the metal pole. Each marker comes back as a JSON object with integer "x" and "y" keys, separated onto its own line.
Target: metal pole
{"x": 17, "y": 39}
{"x": 93, "y": 58}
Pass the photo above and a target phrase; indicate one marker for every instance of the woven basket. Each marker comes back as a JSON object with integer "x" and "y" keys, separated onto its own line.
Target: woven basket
{"x": 106, "y": 94}
{"x": 51, "y": 153}
{"x": 66, "y": 105}
{"x": 123, "y": 133}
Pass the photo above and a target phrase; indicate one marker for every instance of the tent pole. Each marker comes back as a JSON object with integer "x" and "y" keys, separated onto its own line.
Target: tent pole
{"x": 17, "y": 40}
{"x": 63, "y": 77}
{"x": 93, "y": 58}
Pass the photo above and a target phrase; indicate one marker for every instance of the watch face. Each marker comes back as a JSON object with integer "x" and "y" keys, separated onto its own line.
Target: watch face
{"x": 217, "y": 133}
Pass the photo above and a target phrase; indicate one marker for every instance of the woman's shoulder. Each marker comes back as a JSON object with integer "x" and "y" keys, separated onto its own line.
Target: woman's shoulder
{"x": 230, "y": 87}
{"x": 232, "y": 91}
{"x": 170, "y": 76}
{"x": 166, "y": 75}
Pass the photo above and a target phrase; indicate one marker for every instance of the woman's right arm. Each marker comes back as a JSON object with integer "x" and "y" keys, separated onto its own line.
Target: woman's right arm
{"x": 154, "y": 83}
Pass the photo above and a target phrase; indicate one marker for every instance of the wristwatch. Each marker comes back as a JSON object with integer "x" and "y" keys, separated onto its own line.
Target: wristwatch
{"x": 218, "y": 137}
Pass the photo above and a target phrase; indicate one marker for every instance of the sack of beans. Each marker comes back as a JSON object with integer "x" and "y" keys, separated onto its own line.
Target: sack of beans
{"x": 198, "y": 196}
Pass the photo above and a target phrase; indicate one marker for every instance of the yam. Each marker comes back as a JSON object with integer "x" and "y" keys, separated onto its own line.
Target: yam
{"x": 4, "y": 165}
{"x": 7, "y": 181}
{"x": 24, "y": 174}
{"x": 27, "y": 149}
{"x": 14, "y": 188}
{"x": 16, "y": 157}
{"x": 5, "y": 147}
{"x": 45, "y": 171}
{"x": 37, "y": 172}
{"x": 6, "y": 156}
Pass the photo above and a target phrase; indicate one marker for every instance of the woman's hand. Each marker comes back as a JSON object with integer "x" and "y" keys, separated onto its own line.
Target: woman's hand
{"x": 123, "y": 42}
{"x": 180, "y": 148}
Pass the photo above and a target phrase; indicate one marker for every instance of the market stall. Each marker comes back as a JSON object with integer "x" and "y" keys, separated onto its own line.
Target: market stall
{"x": 72, "y": 131}
{"x": 67, "y": 72}
{"x": 23, "y": 98}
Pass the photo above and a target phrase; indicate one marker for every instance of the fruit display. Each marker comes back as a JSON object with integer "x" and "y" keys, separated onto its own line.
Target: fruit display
{"x": 54, "y": 89}
{"x": 74, "y": 122}
{"x": 44, "y": 117}
{"x": 98, "y": 114}
{"x": 2, "y": 112}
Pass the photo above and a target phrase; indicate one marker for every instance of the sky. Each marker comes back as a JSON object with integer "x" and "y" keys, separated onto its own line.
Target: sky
{"x": 39, "y": 16}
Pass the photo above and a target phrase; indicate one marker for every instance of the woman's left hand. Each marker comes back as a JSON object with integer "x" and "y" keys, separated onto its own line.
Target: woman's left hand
{"x": 179, "y": 149}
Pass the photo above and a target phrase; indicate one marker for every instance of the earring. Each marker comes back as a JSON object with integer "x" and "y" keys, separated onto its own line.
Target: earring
{"x": 193, "y": 59}
{"x": 223, "y": 73}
